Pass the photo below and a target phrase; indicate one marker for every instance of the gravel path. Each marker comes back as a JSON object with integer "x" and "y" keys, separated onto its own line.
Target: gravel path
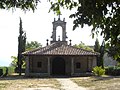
{"x": 67, "y": 84}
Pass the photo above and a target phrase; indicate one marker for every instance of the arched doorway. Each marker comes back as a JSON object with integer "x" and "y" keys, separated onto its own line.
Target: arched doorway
{"x": 58, "y": 66}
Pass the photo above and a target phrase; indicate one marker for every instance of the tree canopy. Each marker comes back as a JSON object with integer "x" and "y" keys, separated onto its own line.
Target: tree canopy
{"x": 102, "y": 15}
{"x": 83, "y": 46}
{"x": 32, "y": 45}
{"x": 22, "y": 4}
{"x": 101, "y": 50}
{"x": 21, "y": 47}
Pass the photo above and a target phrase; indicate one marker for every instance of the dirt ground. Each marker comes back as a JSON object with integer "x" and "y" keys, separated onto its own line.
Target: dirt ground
{"x": 23, "y": 83}
{"x": 99, "y": 83}
{"x": 91, "y": 83}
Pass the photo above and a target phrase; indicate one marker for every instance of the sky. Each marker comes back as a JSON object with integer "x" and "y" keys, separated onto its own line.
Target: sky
{"x": 38, "y": 27}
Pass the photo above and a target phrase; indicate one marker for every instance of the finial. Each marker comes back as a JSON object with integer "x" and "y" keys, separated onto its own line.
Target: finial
{"x": 58, "y": 38}
{"x": 70, "y": 42}
{"x": 47, "y": 42}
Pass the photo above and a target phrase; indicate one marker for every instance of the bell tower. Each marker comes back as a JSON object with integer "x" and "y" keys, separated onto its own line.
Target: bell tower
{"x": 57, "y": 23}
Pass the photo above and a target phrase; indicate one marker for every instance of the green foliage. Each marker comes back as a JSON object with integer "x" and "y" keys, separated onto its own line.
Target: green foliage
{"x": 101, "y": 51}
{"x": 32, "y": 45}
{"x": 21, "y": 39}
{"x": 22, "y": 4}
{"x": 21, "y": 47}
{"x": 113, "y": 52}
{"x": 1, "y": 72}
{"x": 98, "y": 71}
{"x": 115, "y": 71}
{"x": 97, "y": 45}
{"x": 9, "y": 71}
{"x": 83, "y": 46}
{"x": 3, "y": 68}
{"x": 14, "y": 62}
{"x": 102, "y": 15}
{"x": 97, "y": 49}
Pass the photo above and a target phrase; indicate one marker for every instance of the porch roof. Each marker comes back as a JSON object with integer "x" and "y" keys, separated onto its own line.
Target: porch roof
{"x": 59, "y": 48}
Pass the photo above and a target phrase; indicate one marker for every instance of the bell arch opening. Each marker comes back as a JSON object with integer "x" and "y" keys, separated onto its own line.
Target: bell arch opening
{"x": 59, "y": 32}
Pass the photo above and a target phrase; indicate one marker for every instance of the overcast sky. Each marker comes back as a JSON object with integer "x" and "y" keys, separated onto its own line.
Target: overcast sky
{"x": 38, "y": 26}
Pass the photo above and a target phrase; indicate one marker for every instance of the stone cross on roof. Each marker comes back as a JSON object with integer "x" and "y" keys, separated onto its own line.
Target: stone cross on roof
{"x": 59, "y": 16}
{"x": 58, "y": 38}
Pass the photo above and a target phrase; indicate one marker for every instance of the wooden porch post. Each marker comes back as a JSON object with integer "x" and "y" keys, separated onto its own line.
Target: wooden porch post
{"x": 49, "y": 66}
{"x": 72, "y": 66}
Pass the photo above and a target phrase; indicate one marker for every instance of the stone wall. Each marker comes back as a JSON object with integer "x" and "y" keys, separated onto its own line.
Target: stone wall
{"x": 33, "y": 64}
{"x": 86, "y": 64}
{"x": 83, "y": 62}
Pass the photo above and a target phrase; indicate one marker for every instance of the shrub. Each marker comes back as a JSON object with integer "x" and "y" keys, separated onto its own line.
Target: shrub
{"x": 11, "y": 70}
{"x": 98, "y": 71}
{"x": 3, "y": 69}
{"x": 1, "y": 72}
{"x": 7, "y": 70}
{"x": 115, "y": 71}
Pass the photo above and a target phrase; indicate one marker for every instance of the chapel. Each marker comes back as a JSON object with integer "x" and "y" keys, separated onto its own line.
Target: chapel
{"x": 59, "y": 57}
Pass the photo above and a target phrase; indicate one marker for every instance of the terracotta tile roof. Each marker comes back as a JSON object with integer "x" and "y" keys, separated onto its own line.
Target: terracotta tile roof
{"x": 59, "y": 49}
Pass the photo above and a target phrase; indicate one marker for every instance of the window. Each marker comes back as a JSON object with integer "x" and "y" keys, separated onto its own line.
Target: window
{"x": 78, "y": 65}
{"x": 39, "y": 64}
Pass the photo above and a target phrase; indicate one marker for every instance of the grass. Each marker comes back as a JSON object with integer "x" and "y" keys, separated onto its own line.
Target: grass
{"x": 99, "y": 83}
{"x": 21, "y": 82}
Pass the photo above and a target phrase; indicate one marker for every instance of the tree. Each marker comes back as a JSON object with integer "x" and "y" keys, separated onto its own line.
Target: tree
{"x": 96, "y": 46}
{"x": 22, "y": 4}
{"x": 21, "y": 47}
{"x": 97, "y": 49}
{"x": 102, "y": 15}
{"x": 32, "y": 45}
{"x": 101, "y": 50}
{"x": 83, "y": 46}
